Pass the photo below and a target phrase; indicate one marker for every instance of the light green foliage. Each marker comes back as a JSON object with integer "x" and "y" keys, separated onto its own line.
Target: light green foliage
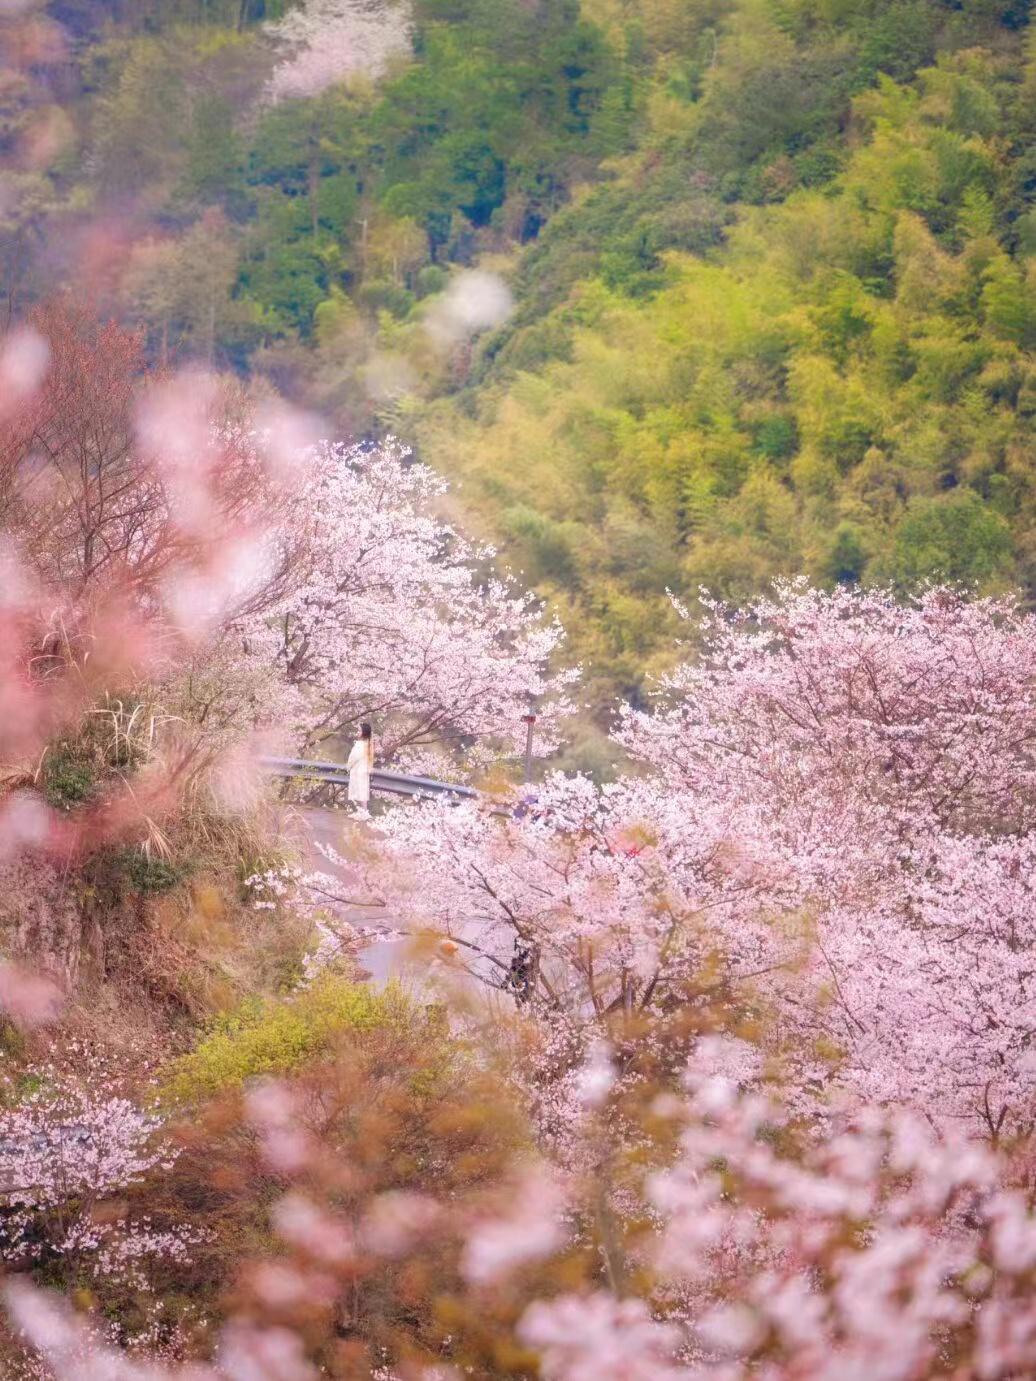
{"x": 266, "y": 1037}
{"x": 139, "y": 121}
{"x": 213, "y": 151}
{"x": 835, "y": 389}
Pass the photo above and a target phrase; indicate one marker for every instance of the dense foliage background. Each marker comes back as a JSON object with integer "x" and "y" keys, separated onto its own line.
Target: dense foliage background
{"x": 773, "y": 296}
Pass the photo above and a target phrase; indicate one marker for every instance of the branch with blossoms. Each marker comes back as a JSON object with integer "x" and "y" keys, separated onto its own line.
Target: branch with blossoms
{"x": 594, "y": 902}
{"x": 67, "y": 1150}
{"x": 879, "y": 750}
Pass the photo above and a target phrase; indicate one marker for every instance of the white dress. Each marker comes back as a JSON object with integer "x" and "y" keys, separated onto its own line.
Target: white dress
{"x": 360, "y": 772}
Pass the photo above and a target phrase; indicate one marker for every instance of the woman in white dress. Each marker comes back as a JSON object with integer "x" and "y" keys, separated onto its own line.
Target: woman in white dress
{"x": 361, "y": 760}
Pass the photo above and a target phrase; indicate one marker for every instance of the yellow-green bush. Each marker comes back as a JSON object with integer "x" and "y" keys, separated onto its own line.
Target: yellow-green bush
{"x": 278, "y": 1036}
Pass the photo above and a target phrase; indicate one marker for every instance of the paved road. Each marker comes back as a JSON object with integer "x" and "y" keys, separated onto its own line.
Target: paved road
{"x": 383, "y": 960}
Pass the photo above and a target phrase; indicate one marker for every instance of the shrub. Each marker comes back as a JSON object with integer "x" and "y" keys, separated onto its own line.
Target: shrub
{"x": 431, "y": 279}
{"x": 386, "y": 1097}
{"x": 279, "y": 1036}
{"x": 381, "y": 295}
{"x": 66, "y": 782}
{"x": 148, "y": 874}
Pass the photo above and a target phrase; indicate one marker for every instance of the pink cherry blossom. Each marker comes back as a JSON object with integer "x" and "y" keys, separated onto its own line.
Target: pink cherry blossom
{"x": 325, "y": 42}
{"x": 878, "y": 753}
{"x": 385, "y": 617}
{"x": 599, "y": 1338}
{"x": 67, "y": 1147}
{"x": 530, "y": 1230}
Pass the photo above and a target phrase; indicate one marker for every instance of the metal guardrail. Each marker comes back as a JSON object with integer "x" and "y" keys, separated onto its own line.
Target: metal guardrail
{"x": 393, "y": 783}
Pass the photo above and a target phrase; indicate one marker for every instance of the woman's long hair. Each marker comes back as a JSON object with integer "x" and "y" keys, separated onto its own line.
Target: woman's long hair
{"x": 367, "y": 734}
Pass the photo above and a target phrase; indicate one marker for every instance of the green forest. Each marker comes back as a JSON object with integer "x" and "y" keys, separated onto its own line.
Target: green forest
{"x": 772, "y": 267}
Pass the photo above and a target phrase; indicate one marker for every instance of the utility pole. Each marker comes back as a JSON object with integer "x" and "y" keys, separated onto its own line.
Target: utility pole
{"x": 529, "y": 720}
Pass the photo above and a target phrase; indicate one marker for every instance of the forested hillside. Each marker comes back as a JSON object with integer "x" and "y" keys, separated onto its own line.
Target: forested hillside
{"x": 794, "y": 332}
{"x": 774, "y": 303}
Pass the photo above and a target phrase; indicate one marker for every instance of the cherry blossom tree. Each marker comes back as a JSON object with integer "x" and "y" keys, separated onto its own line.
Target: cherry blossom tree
{"x": 388, "y": 617}
{"x": 325, "y": 42}
{"x": 884, "y": 751}
{"x": 583, "y": 901}
{"x": 925, "y": 704}
{"x": 92, "y": 498}
{"x": 65, "y": 1149}
{"x": 838, "y": 828}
